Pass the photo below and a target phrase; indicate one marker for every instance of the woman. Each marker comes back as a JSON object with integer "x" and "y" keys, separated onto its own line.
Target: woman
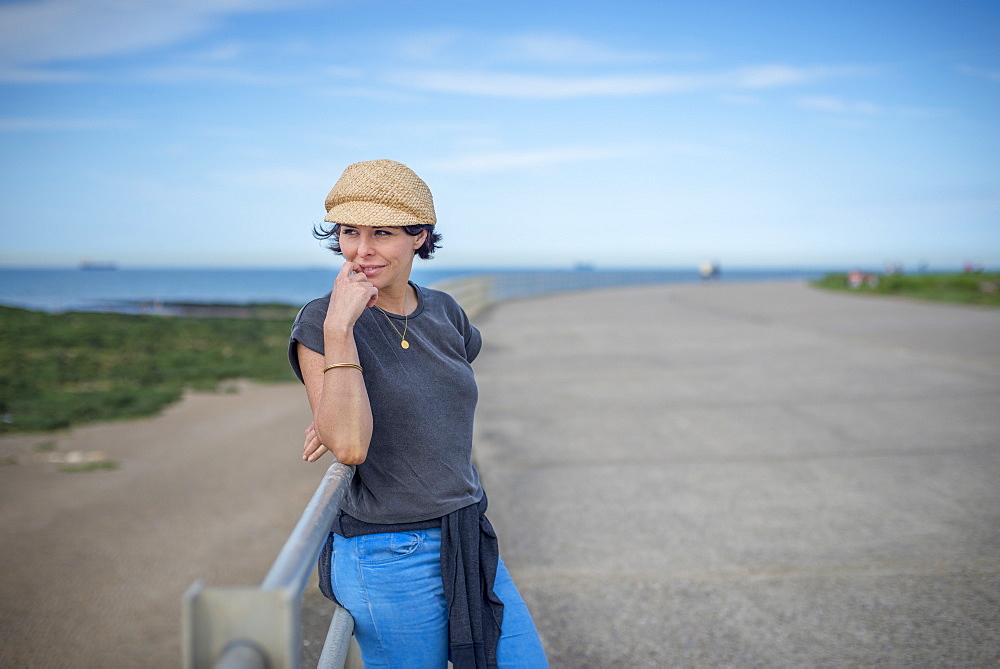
{"x": 387, "y": 369}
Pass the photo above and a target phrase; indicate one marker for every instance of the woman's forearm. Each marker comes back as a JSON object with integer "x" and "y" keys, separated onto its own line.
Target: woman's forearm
{"x": 342, "y": 416}
{"x": 339, "y": 399}
{"x": 345, "y": 419}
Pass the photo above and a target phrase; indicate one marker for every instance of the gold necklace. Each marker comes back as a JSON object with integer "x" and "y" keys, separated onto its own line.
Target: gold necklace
{"x": 406, "y": 320}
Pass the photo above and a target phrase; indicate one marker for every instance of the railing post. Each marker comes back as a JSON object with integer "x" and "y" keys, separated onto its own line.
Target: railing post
{"x": 226, "y": 625}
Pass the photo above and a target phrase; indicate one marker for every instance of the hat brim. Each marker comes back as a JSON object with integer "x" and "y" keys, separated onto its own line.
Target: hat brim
{"x": 371, "y": 215}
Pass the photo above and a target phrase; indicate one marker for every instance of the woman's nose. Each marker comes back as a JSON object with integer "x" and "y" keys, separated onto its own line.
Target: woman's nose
{"x": 364, "y": 246}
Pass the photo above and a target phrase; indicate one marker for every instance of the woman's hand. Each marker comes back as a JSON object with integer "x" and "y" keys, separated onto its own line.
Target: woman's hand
{"x": 312, "y": 450}
{"x": 342, "y": 416}
{"x": 352, "y": 294}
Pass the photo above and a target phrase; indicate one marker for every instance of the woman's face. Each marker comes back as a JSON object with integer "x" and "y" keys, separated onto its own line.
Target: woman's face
{"x": 385, "y": 255}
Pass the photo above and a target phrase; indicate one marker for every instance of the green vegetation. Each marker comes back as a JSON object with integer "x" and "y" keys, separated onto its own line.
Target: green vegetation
{"x": 965, "y": 288}
{"x": 58, "y": 370}
{"x": 100, "y": 465}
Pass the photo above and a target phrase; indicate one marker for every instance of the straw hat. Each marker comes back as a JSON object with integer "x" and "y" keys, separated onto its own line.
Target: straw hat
{"x": 380, "y": 193}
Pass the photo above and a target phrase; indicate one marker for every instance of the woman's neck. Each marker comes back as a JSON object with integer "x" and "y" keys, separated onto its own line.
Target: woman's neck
{"x": 400, "y": 301}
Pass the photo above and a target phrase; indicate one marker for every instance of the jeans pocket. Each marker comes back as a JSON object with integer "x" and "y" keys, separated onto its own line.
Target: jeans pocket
{"x": 387, "y": 546}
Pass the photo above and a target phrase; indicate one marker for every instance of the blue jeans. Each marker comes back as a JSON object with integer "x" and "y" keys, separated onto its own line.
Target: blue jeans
{"x": 391, "y": 584}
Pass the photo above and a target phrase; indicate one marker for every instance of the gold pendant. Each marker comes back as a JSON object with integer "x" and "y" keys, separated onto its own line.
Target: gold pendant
{"x": 404, "y": 344}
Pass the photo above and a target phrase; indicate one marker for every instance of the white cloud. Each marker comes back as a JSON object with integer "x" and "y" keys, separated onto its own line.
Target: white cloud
{"x": 777, "y": 76}
{"x": 534, "y": 86}
{"x": 428, "y": 46}
{"x": 436, "y": 129}
{"x": 222, "y": 52}
{"x": 557, "y": 49}
{"x": 271, "y": 179}
{"x": 690, "y": 149}
{"x": 982, "y": 73}
{"x": 740, "y": 99}
{"x": 529, "y": 47}
{"x": 771, "y": 76}
{"x": 556, "y": 87}
{"x": 835, "y": 105}
{"x": 838, "y": 106}
{"x": 212, "y": 66}
{"x": 340, "y": 93}
{"x": 39, "y": 124}
{"x": 924, "y": 112}
{"x": 191, "y": 73}
{"x": 344, "y": 71}
{"x": 50, "y": 31}
{"x": 513, "y": 160}
{"x": 14, "y": 74}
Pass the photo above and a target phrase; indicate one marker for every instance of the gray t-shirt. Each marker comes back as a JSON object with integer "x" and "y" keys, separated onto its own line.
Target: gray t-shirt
{"x": 423, "y": 400}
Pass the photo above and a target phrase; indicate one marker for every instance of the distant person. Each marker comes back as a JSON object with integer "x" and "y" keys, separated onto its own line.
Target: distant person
{"x": 709, "y": 270}
{"x": 387, "y": 370}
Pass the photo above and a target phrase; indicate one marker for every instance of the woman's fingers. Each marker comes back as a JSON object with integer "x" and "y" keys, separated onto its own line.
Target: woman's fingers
{"x": 352, "y": 294}
{"x": 347, "y": 269}
{"x": 316, "y": 455}
{"x": 312, "y": 449}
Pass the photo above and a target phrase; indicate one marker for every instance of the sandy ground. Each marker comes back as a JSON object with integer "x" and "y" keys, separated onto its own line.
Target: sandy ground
{"x": 95, "y": 564}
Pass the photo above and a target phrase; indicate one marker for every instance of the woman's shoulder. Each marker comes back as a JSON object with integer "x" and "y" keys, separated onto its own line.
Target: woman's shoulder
{"x": 439, "y": 301}
{"x": 314, "y": 311}
{"x": 435, "y": 296}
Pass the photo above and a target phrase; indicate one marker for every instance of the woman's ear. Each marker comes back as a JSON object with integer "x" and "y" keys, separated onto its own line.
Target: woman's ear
{"x": 419, "y": 240}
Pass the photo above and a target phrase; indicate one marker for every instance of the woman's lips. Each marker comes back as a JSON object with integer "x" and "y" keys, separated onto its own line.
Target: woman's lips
{"x": 370, "y": 270}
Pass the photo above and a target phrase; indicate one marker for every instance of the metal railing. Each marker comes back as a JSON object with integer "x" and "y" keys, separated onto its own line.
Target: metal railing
{"x": 474, "y": 293}
{"x": 250, "y": 627}
{"x": 477, "y": 292}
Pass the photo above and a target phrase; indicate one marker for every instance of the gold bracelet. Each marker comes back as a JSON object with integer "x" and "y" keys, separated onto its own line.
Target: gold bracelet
{"x": 342, "y": 364}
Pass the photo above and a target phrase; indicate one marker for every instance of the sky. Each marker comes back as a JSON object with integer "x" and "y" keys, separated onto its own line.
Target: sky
{"x": 616, "y": 133}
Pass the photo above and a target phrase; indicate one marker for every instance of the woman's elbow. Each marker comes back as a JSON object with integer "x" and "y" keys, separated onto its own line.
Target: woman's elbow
{"x": 350, "y": 455}
{"x": 348, "y": 451}
{"x": 349, "y": 447}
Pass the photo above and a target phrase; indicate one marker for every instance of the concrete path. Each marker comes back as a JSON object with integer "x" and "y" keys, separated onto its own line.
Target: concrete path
{"x": 747, "y": 475}
{"x": 722, "y": 475}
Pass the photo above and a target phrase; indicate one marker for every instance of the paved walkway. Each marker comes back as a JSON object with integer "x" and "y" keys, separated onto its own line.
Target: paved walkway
{"x": 720, "y": 475}
{"x": 737, "y": 475}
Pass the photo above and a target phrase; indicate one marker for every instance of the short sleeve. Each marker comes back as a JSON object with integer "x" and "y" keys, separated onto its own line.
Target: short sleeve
{"x": 460, "y": 320}
{"x": 307, "y": 330}
{"x": 473, "y": 341}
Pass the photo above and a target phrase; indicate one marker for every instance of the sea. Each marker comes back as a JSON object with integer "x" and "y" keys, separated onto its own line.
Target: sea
{"x": 146, "y": 290}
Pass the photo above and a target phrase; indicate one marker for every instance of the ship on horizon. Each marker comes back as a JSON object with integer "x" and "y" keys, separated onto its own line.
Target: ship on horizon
{"x": 96, "y": 265}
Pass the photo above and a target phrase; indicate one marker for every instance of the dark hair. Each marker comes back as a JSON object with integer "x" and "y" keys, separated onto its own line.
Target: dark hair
{"x": 426, "y": 250}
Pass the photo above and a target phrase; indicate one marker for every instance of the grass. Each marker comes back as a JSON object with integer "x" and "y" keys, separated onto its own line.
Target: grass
{"x": 59, "y": 370}
{"x": 961, "y": 288}
{"x": 101, "y": 465}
